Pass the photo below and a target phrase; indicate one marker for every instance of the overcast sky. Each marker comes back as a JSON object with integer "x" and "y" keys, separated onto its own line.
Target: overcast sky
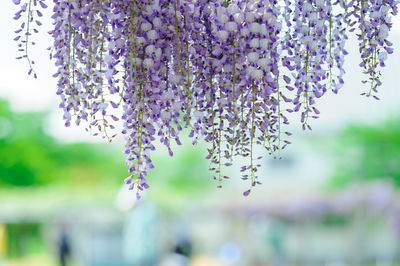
{"x": 25, "y": 93}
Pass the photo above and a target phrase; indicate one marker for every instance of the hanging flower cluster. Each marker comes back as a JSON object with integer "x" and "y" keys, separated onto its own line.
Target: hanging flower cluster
{"x": 229, "y": 70}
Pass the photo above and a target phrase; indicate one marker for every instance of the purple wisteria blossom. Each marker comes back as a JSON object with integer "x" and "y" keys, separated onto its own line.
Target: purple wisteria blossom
{"x": 227, "y": 70}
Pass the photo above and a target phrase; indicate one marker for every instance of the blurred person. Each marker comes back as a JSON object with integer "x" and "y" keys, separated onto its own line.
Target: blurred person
{"x": 64, "y": 247}
{"x": 184, "y": 247}
{"x": 182, "y": 250}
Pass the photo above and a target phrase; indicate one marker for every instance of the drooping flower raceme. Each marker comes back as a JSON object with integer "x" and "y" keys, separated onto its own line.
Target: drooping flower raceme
{"x": 229, "y": 71}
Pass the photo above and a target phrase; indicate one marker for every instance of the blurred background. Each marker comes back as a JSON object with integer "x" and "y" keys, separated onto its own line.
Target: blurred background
{"x": 333, "y": 198}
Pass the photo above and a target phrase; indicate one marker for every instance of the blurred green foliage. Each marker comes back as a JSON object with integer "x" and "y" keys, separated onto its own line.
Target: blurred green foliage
{"x": 24, "y": 239}
{"x": 367, "y": 153}
{"x": 30, "y": 157}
